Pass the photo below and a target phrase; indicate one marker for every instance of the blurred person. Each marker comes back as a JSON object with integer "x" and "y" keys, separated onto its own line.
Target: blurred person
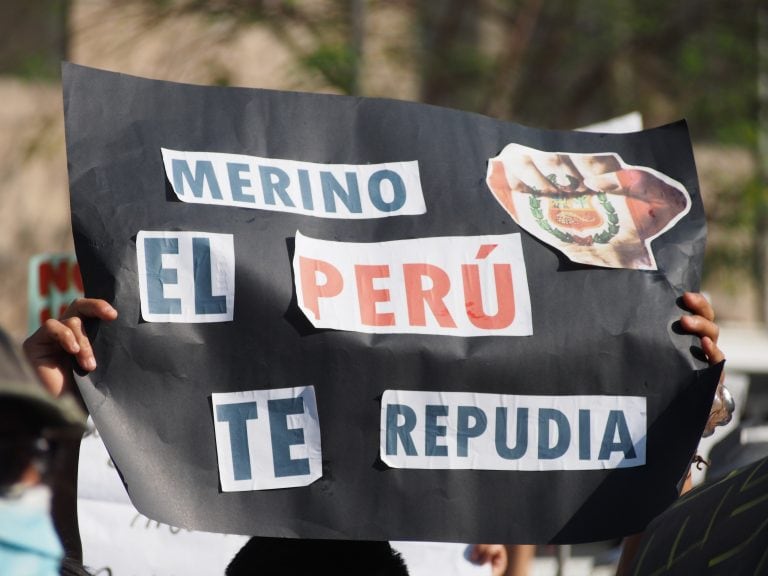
{"x": 37, "y": 430}
{"x": 54, "y": 350}
{"x": 292, "y": 557}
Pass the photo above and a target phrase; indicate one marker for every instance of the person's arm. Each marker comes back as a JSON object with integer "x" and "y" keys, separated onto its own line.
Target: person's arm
{"x": 50, "y": 351}
{"x": 701, "y": 323}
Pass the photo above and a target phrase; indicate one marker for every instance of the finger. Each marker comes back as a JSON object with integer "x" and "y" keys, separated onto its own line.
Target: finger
{"x": 714, "y": 354}
{"x": 90, "y": 308}
{"x": 84, "y": 355}
{"x": 558, "y": 168}
{"x": 698, "y": 304}
{"x": 608, "y": 182}
{"x": 701, "y": 327}
{"x": 520, "y": 166}
{"x": 59, "y": 333}
{"x": 594, "y": 164}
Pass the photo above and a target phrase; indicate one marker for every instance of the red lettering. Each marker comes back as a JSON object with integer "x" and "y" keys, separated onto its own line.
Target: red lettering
{"x": 368, "y": 296}
{"x": 45, "y": 313}
{"x": 418, "y": 297}
{"x": 429, "y": 297}
{"x": 473, "y": 297}
{"x": 48, "y": 275}
{"x": 311, "y": 290}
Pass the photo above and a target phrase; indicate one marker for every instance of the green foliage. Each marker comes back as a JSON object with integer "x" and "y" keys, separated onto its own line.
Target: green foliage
{"x": 35, "y": 67}
{"x": 554, "y": 63}
{"x": 734, "y": 255}
{"x": 32, "y": 38}
{"x": 335, "y": 62}
{"x": 547, "y": 63}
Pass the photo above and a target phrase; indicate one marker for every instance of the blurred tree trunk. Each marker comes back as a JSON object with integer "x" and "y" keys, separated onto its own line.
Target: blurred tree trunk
{"x": 444, "y": 27}
{"x": 761, "y": 223}
{"x": 622, "y": 73}
{"x": 358, "y": 45}
{"x": 33, "y": 37}
{"x": 502, "y": 87}
{"x": 64, "y": 27}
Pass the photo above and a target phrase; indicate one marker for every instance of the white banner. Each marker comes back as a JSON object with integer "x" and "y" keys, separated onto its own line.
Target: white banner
{"x": 267, "y": 438}
{"x": 466, "y": 430}
{"x": 455, "y": 285}
{"x": 323, "y": 190}
{"x": 186, "y": 276}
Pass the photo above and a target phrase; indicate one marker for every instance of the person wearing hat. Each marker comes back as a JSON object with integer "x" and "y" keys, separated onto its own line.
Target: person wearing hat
{"x": 35, "y": 428}
{"x": 41, "y": 423}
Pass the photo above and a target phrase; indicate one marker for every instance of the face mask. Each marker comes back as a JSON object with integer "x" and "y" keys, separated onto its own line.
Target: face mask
{"x": 28, "y": 541}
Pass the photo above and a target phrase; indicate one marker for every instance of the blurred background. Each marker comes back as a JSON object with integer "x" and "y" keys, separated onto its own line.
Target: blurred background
{"x": 557, "y": 64}
{"x": 550, "y": 64}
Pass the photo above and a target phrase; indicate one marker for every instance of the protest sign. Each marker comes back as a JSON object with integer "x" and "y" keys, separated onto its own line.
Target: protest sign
{"x": 371, "y": 319}
{"x": 54, "y": 281}
{"x": 120, "y": 541}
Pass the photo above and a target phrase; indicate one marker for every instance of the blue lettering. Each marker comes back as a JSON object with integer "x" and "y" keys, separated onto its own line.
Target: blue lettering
{"x": 274, "y": 180}
{"x": 464, "y": 431}
{"x": 236, "y": 415}
{"x": 237, "y": 183}
{"x": 203, "y": 173}
{"x": 283, "y": 437}
{"x": 616, "y": 423}
{"x": 402, "y": 432}
{"x": 157, "y": 276}
{"x": 306, "y": 190}
{"x": 332, "y": 188}
{"x": 585, "y": 435}
{"x": 547, "y": 415}
{"x": 521, "y": 434}
{"x": 205, "y": 301}
{"x": 432, "y": 430}
{"x": 398, "y": 190}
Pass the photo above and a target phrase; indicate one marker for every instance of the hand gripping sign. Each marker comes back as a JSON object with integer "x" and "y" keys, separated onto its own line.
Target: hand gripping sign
{"x": 353, "y": 318}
